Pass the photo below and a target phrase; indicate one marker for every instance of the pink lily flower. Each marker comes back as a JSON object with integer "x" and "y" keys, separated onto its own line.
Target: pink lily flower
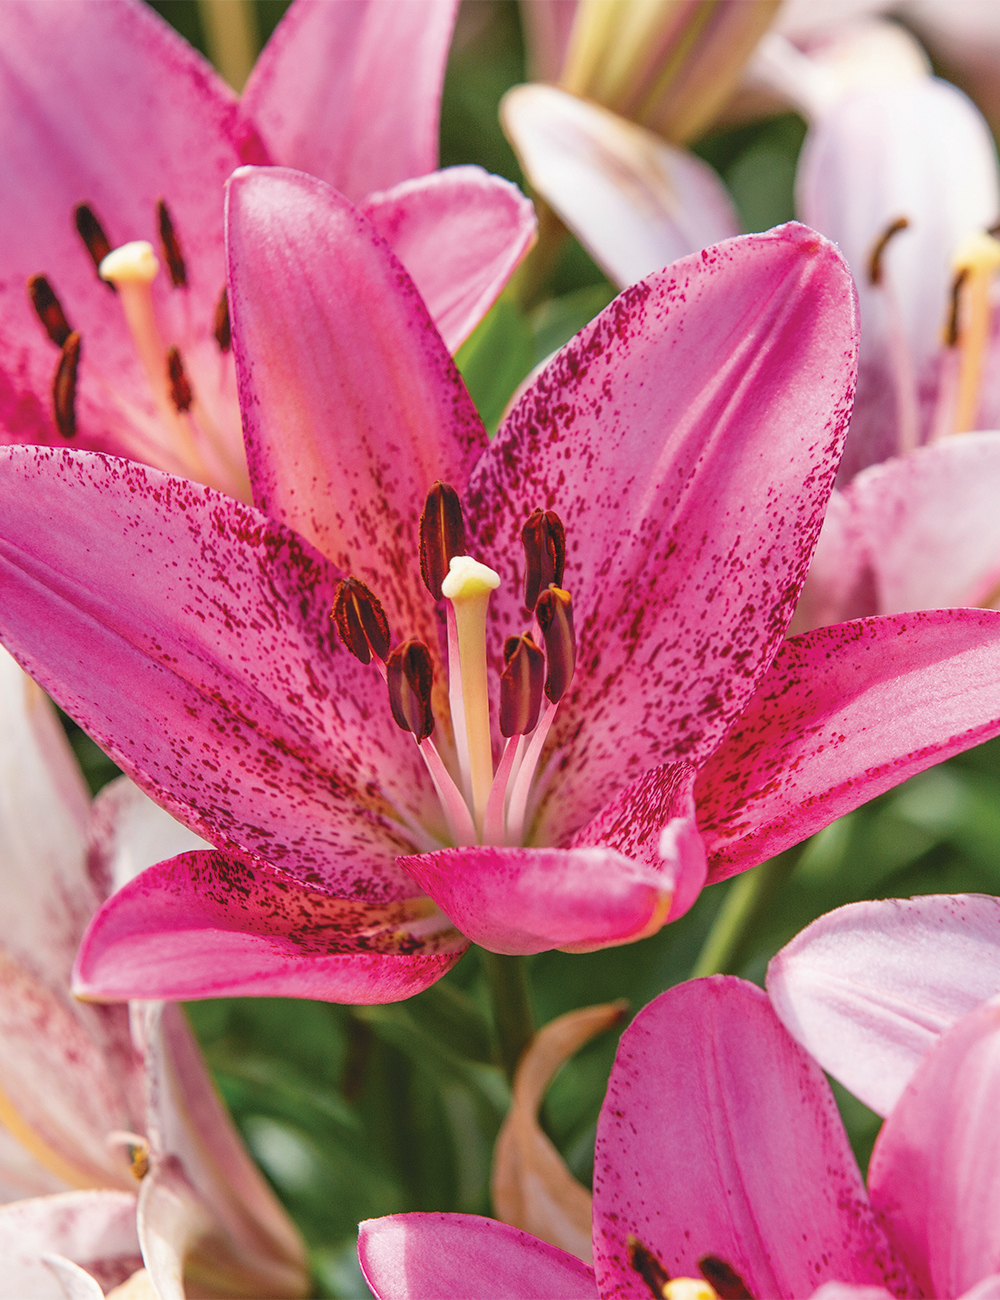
{"x": 115, "y": 1150}
{"x": 357, "y": 858}
{"x": 138, "y": 136}
{"x": 722, "y": 1169}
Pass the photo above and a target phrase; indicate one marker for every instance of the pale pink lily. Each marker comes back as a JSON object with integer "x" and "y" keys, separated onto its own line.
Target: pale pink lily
{"x": 111, "y": 1129}
{"x": 721, "y": 1156}
{"x": 688, "y": 439}
{"x": 105, "y": 105}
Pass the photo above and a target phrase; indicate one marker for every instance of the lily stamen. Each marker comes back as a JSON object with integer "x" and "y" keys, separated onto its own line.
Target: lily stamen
{"x": 94, "y": 239}
{"x": 976, "y": 263}
{"x": 901, "y": 360}
{"x": 520, "y": 703}
{"x": 49, "y": 309}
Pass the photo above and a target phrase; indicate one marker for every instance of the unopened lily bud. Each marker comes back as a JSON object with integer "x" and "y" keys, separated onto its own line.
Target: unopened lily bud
{"x": 410, "y": 678}
{"x": 544, "y": 541}
{"x": 554, "y": 612}
{"x": 521, "y": 686}
{"x": 442, "y": 536}
{"x": 361, "y": 621}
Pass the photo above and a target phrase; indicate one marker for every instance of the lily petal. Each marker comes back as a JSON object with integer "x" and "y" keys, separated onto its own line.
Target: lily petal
{"x": 841, "y": 582}
{"x": 929, "y": 524}
{"x": 515, "y": 900}
{"x": 351, "y": 91}
{"x": 868, "y": 989}
{"x": 76, "y": 1283}
{"x": 653, "y": 821}
{"x": 688, "y": 439}
{"x": 124, "y": 112}
{"x": 353, "y": 407}
{"x": 171, "y": 1221}
{"x": 634, "y": 201}
{"x": 46, "y": 897}
{"x": 460, "y": 233}
{"x": 465, "y": 1257}
{"x": 933, "y": 1172}
{"x": 209, "y": 925}
{"x": 748, "y": 1162}
{"x": 845, "y": 713}
{"x": 214, "y": 616}
{"x": 252, "y": 1240}
{"x": 94, "y": 1229}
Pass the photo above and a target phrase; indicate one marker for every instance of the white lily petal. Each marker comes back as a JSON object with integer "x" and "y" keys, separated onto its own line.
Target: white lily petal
{"x": 634, "y": 202}
{"x": 76, "y": 1282}
{"x": 95, "y": 1230}
{"x": 128, "y": 833}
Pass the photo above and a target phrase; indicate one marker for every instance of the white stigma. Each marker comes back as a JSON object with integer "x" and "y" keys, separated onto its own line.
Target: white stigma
{"x": 133, "y": 263}
{"x": 467, "y": 579}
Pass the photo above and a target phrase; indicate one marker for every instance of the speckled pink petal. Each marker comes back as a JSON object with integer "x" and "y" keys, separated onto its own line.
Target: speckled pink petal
{"x": 91, "y": 1228}
{"x": 206, "y": 925}
{"x": 688, "y": 439}
{"x": 127, "y": 834}
{"x": 845, "y": 713}
{"x": 523, "y": 900}
{"x": 719, "y": 1136}
{"x": 465, "y": 1257}
{"x": 81, "y": 85}
{"x": 459, "y": 233}
{"x": 868, "y": 989}
{"x": 652, "y": 821}
{"x": 192, "y": 638}
{"x": 352, "y": 405}
{"x": 351, "y": 91}
{"x": 933, "y": 1172}
{"x": 253, "y": 1242}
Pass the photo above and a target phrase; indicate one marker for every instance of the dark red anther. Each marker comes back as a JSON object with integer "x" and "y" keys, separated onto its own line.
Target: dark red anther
{"x": 64, "y": 386}
{"x": 172, "y": 254}
{"x": 875, "y": 257}
{"x": 521, "y": 686}
{"x": 554, "y": 612}
{"x": 647, "y": 1266}
{"x": 544, "y": 541}
{"x": 223, "y": 334}
{"x": 180, "y": 387}
{"x": 49, "y": 310}
{"x": 442, "y": 535}
{"x": 96, "y": 241}
{"x": 361, "y": 621}
{"x": 951, "y": 329}
{"x": 724, "y": 1279}
{"x": 410, "y": 678}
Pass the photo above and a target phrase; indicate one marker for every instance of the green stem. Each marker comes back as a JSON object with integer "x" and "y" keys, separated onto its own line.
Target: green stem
{"x": 529, "y": 283}
{"x": 744, "y": 907}
{"x": 510, "y": 996}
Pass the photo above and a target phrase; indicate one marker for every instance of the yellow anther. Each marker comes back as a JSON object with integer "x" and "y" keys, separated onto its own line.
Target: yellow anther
{"x": 468, "y": 585}
{"x": 976, "y": 262}
{"x": 133, "y": 263}
{"x": 689, "y": 1288}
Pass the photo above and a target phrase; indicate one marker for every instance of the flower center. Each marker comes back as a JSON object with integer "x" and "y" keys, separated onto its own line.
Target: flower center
{"x": 900, "y": 359}
{"x": 480, "y": 805}
{"x": 185, "y": 434}
{"x": 718, "y": 1281}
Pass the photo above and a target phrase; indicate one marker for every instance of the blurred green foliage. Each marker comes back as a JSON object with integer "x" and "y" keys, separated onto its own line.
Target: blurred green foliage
{"x": 354, "y": 1112}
